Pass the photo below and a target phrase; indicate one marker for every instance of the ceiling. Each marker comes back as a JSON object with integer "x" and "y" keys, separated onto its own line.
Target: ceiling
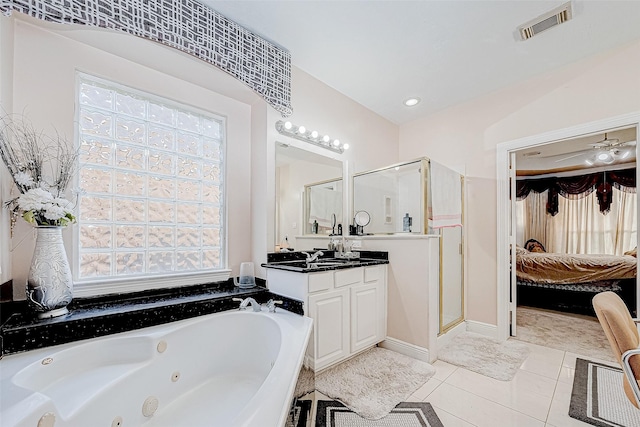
{"x": 571, "y": 154}
{"x": 380, "y": 53}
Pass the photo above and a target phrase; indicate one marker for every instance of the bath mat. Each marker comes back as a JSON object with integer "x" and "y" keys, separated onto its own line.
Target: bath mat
{"x": 484, "y": 355}
{"x": 306, "y": 382}
{"x": 299, "y": 414}
{"x": 374, "y": 382}
{"x": 598, "y": 396}
{"x": 406, "y": 414}
{"x": 576, "y": 334}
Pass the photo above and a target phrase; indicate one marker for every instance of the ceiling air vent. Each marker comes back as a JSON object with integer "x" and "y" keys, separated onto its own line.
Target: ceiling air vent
{"x": 543, "y": 22}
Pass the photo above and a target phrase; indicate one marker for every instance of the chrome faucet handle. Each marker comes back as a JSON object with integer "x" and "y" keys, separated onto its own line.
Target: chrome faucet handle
{"x": 271, "y": 305}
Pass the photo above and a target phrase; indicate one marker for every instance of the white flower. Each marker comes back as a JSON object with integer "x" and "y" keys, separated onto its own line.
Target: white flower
{"x": 61, "y": 202}
{"x": 53, "y": 212}
{"x": 24, "y": 179}
{"x": 34, "y": 199}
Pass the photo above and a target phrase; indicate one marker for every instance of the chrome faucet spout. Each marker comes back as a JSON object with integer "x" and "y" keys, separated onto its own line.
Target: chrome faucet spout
{"x": 314, "y": 257}
{"x": 245, "y": 302}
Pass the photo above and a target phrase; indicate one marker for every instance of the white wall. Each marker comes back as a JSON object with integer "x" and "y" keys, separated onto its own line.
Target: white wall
{"x": 43, "y": 84}
{"x": 598, "y": 87}
{"x": 6, "y": 101}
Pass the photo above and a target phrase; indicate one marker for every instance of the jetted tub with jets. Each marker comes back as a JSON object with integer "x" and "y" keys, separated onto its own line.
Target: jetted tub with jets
{"x": 231, "y": 369}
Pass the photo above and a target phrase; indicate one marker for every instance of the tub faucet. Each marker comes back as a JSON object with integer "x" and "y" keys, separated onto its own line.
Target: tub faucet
{"x": 245, "y": 302}
{"x": 314, "y": 257}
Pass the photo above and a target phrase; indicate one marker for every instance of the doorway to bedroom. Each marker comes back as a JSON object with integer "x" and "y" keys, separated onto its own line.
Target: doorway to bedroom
{"x": 573, "y": 217}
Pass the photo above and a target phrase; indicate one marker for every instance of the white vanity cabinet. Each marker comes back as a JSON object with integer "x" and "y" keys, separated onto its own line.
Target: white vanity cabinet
{"x": 348, "y": 308}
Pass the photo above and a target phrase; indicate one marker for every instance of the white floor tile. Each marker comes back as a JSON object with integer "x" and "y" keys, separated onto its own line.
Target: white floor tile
{"x": 423, "y": 392}
{"x": 543, "y": 361}
{"x": 570, "y": 360}
{"x": 477, "y": 410}
{"x": 528, "y": 393}
{"x": 443, "y": 369}
{"x": 566, "y": 375}
{"x": 559, "y": 412}
{"x": 449, "y": 420}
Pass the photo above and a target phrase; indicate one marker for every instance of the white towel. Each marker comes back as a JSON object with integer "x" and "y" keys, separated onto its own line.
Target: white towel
{"x": 324, "y": 204}
{"x": 446, "y": 197}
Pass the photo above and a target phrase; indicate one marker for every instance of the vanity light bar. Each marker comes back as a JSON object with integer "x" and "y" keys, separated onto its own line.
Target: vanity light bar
{"x": 312, "y": 137}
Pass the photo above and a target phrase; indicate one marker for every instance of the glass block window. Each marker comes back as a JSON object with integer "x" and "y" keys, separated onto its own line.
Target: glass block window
{"x": 152, "y": 185}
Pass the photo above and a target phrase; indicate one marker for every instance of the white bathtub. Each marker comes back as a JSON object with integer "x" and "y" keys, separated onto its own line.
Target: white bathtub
{"x": 222, "y": 370}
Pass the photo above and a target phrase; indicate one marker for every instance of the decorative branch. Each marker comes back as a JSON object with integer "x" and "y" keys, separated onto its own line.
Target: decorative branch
{"x": 25, "y": 152}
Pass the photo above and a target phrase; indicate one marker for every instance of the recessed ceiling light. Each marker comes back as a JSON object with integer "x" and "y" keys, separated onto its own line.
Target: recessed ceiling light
{"x": 411, "y": 102}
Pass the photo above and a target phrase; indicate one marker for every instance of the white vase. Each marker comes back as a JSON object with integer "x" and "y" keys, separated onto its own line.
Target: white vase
{"x": 50, "y": 284}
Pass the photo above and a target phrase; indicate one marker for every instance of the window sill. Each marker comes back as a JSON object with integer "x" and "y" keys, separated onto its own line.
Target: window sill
{"x": 112, "y": 314}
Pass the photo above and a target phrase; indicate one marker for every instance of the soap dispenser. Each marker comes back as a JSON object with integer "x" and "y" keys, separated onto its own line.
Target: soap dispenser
{"x": 407, "y": 222}
{"x": 314, "y": 227}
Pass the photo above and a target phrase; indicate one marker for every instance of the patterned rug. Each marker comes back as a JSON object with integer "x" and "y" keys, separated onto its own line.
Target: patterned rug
{"x": 299, "y": 414}
{"x": 406, "y": 414}
{"x": 598, "y": 397}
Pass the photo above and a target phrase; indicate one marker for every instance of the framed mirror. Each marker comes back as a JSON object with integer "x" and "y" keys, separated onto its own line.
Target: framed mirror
{"x": 323, "y": 207}
{"x": 394, "y": 199}
{"x": 309, "y": 187}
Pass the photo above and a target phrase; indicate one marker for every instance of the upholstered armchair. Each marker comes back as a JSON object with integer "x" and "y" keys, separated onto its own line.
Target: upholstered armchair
{"x": 622, "y": 333}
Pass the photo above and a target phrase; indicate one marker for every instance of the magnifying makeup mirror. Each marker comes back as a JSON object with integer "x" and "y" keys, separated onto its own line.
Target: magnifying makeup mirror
{"x": 361, "y": 218}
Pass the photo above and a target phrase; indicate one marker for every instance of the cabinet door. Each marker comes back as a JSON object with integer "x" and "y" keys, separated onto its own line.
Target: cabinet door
{"x": 368, "y": 317}
{"x": 330, "y": 314}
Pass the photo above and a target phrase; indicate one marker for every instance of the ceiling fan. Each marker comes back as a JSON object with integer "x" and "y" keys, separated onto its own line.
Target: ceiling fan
{"x": 606, "y": 151}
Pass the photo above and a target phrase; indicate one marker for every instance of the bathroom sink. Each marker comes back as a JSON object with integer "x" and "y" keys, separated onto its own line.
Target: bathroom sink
{"x": 302, "y": 264}
{"x": 325, "y": 264}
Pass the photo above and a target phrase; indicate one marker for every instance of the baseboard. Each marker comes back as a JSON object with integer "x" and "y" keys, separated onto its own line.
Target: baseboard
{"x": 482, "y": 328}
{"x": 405, "y": 348}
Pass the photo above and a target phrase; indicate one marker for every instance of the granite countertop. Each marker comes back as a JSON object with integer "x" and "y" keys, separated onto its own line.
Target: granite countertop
{"x": 105, "y": 315}
{"x": 295, "y": 261}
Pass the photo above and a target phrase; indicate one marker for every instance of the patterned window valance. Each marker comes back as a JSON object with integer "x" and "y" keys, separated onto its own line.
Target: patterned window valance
{"x": 186, "y": 25}
{"x": 576, "y": 187}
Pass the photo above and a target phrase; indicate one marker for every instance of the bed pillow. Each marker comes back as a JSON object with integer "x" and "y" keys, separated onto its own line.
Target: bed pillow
{"x": 532, "y": 245}
{"x": 633, "y": 252}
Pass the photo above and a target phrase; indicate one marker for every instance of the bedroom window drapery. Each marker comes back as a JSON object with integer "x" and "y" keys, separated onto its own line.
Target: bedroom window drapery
{"x": 580, "y": 228}
{"x": 577, "y": 187}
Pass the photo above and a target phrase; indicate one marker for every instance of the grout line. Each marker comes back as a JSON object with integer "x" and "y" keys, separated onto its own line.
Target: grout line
{"x": 454, "y": 416}
{"x": 503, "y": 405}
{"x": 431, "y": 392}
{"x": 555, "y": 390}
{"x": 454, "y": 370}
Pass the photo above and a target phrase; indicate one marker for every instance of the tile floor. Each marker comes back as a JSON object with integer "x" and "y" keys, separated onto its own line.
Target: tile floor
{"x": 538, "y": 395}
